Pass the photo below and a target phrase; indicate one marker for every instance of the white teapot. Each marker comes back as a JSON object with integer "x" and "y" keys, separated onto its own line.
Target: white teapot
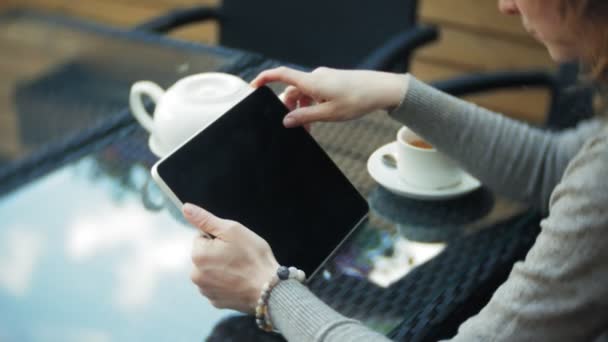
{"x": 187, "y": 107}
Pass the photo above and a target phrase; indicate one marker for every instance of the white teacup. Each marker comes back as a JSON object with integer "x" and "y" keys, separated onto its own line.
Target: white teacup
{"x": 424, "y": 167}
{"x": 188, "y": 106}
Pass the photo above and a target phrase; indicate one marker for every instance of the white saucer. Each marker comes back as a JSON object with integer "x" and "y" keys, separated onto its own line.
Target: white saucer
{"x": 389, "y": 179}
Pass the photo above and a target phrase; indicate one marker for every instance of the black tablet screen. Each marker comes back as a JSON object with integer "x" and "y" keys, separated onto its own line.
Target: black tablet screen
{"x": 278, "y": 182}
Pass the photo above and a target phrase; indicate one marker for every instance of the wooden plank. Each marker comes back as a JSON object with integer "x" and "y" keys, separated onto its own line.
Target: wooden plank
{"x": 23, "y": 59}
{"x": 120, "y": 13}
{"x": 173, "y": 4}
{"x": 33, "y": 35}
{"x": 8, "y": 3}
{"x": 116, "y": 13}
{"x": 477, "y": 52}
{"x": 124, "y": 15}
{"x": 480, "y": 15}
{"x": 10, "y": 144}
{"x": 530, "y": 105}
{"x": 202, "y": 33}
{"x": 9, "y": 147}
{"x": 430, "y": 71}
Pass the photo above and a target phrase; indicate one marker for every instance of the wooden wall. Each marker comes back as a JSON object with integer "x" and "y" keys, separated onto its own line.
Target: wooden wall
{"x": 475, "y": 37}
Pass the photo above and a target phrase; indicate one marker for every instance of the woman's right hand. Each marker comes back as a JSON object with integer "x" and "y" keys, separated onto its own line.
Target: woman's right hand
{"x": 334, "y": 95}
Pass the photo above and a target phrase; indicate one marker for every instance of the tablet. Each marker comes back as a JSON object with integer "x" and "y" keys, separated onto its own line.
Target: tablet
{"x": 247, "y": 167}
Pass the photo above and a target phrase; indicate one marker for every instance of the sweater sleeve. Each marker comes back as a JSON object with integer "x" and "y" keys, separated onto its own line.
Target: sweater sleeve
{"x": 514, "y": 159}
{"x": 301, "y": 317}
{"x": 559, "y": 292}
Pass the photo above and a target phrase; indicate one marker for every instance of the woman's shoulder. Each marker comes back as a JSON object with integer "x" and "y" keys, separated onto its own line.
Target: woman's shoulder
{"x": 586, "y": 176}
{"x": 594, "y": 152}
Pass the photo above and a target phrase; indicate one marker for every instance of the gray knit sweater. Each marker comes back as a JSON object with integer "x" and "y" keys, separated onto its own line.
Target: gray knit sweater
{"x": 560, "y": 291}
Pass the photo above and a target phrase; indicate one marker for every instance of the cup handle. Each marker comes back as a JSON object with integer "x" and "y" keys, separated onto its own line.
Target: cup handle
{"x": 389, "y": 159}
{"x": 150, "y": 89}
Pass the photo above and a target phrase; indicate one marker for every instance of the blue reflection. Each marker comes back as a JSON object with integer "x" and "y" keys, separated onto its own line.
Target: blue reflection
{"x": 81, "y": 259}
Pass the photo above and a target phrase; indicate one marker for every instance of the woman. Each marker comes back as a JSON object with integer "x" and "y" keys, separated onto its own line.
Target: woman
{"x": 560, "y": 291}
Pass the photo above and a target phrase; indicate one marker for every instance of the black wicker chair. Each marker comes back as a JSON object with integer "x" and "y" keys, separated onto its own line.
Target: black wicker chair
{"x": 306, "y": 33}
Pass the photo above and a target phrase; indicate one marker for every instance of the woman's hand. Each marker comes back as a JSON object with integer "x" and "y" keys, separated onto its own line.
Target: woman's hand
{"x": 334, "y": 95}
{"x": 231, "y": 268}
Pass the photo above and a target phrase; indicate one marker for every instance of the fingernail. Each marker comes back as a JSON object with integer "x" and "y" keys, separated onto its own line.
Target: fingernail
{"x": 189, "y": 209}
{"x": 289, "y": 121}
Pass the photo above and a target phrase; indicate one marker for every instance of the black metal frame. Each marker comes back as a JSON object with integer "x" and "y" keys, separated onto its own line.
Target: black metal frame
{"x": 482, "y": 82}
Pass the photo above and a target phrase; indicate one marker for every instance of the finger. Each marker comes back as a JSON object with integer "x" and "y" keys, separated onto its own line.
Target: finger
{"x": 291, "y": 96}
{"x": 210, "y": 295}
{"x": 196, "y": 276}
{"x": 200, "y": 243}
{"x": 306, "y": 115}
{"x": 205, "y": 221}
{"x": 220, "y": 304}
{"x": 208, "y": 292}
{"x": 305, "y": 101}
{"x": 282, "y": 97}
{"x": 204, "y": 252}
{"x": 205, "y": 284}
{"x": 280, "y": 74}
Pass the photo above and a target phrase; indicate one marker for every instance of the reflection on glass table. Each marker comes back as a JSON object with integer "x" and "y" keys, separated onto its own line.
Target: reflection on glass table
{"x": 61, "y": 75}
{"x": 93, "y": 250}
{"x": 80, "y": 259}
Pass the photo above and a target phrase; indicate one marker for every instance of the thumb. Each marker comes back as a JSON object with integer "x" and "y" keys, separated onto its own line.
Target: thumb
{"x": 205, "y": 221}
{"x": 307, "y": 115}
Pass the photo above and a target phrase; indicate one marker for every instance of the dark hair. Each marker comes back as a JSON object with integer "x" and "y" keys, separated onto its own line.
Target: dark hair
{"x": 589, "y": 16}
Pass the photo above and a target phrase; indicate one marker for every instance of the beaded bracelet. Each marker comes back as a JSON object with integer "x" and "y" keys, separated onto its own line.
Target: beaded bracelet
{"x": 262, "y": 316}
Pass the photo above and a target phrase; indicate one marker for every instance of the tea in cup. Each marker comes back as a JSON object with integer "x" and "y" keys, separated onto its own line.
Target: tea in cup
{"x": 421, "y": 165}
{"x": 185, "y": 108}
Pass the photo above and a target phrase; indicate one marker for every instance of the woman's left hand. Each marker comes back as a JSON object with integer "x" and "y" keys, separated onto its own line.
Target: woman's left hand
{"x": 231, "y": 268}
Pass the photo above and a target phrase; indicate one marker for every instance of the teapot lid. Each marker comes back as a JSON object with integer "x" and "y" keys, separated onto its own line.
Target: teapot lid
{"x": 209, "y": 88}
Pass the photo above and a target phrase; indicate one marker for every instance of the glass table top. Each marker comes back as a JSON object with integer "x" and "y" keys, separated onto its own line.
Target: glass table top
{"x": 88, "y": 262}
{"x": 93, "y": 250}
{"x": 60, "y": 76}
